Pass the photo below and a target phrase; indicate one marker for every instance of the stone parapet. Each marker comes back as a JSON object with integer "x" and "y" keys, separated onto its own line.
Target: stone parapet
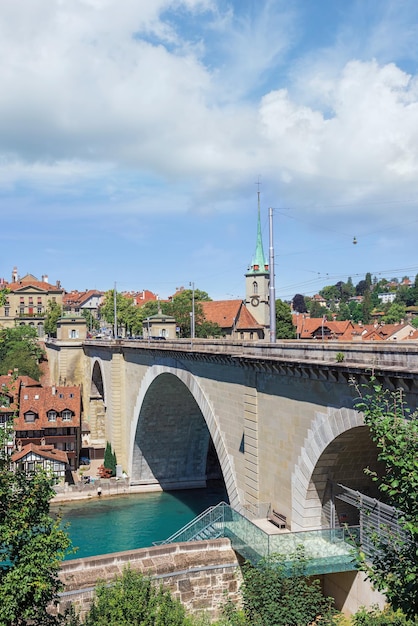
{"x": 201, "y": 574}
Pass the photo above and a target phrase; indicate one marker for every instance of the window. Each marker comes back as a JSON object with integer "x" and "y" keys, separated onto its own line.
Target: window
{"x": 30, "y": 416}
{"x": 22, "y": 309}
{"x": 71, "y": 395}
{"x": 67, "y": 416}
{"x": 61, "y": 395}
{"x": 255, "y": 287}
{"x": 73, "y": 334}
{"x": 52, "y": 416}
{"x": 6, "y": 311}
{"x": 39, "y": 309}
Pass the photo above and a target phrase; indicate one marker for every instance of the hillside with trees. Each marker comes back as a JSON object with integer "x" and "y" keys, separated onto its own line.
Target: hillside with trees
{"x": 389, "y": 301}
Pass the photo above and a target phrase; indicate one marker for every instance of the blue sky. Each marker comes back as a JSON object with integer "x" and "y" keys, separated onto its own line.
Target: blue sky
{"x": 133, "y": 133}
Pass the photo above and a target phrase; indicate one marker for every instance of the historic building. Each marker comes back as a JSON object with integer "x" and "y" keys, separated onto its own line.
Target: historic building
{"x": 50, "y": 416}
{"x": 257, "y": 282}
{"x": 247, "y": 319}
{"x": 27, "y": 301}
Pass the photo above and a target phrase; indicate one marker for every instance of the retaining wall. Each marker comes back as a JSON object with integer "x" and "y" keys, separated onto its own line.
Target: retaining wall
{"x": 201, "y": 574}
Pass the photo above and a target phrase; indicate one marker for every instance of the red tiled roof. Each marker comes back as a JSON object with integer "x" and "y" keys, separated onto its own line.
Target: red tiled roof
{"x": 38, "y": 284}
{"x": 46, "y": 452}
{"x": 43, "y": 399}
{"x": 78, "y": 298}
{"x": 11, "y": 386}
{"x": 229, "y": 313}
{"x": 307, "y": 327}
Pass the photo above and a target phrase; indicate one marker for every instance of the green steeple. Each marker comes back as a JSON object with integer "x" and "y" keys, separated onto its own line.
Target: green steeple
{"x": 259, "y": 264}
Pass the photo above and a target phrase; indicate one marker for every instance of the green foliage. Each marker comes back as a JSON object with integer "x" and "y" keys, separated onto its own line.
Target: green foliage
{"x": 284, "y": 322}
{"x": 109, "y": 461}
{"x": 317, "y": 310}
{"x": 53, "y": 313}
{"x": 32, "y": 546}
{"x": 339, "y": 357}
{"x": 376, "y": 617}
{"x": 274, "y": 595}
{"x": 180, "y": 308}
{"x": 91, "y": 322}
{"x": 299, "y": 303}
{"x": 3, "y": 296}
{"x": 133, "y": 600}
{"x": 395, "y": 313}
{"x": 394, "y": 429}
{"x": 19, "y": 348}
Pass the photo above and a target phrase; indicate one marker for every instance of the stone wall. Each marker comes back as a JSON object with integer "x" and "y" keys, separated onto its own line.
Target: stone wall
{"x": 201, "y": 574}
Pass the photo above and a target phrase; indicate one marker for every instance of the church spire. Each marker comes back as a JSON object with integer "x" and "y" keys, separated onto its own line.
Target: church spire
{"x": 259, "y": 264}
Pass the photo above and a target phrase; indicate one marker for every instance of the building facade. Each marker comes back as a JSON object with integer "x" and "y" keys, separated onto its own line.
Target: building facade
{"x": 27, "y": 301}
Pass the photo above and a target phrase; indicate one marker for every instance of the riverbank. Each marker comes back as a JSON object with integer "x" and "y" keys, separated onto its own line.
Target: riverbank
{"x": 105, "y": 486}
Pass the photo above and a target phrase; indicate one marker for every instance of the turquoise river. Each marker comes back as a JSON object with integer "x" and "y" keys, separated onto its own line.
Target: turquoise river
{"x": 112, "y": 524}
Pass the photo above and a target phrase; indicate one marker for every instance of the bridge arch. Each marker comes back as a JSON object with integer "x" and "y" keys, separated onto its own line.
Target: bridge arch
{"x": 337, "y": 448}
{"x": 97, "y": 380}
{"x": 174, "y": 448}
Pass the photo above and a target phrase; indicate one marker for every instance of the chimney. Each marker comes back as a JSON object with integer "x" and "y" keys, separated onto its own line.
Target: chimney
{"x": 45, "y": 278}
{"x": 54, "y": 391}
{"x": 14, "y": 275}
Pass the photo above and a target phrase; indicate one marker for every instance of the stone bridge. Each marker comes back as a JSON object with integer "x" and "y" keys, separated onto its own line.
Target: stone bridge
{"x": 276, "y": 421}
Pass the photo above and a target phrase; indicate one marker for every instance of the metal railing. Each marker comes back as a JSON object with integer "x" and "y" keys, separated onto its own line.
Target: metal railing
{"x": 324, "y": 551}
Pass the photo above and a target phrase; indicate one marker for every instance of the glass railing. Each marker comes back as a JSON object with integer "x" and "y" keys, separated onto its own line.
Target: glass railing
{"x": 323, "y": 551}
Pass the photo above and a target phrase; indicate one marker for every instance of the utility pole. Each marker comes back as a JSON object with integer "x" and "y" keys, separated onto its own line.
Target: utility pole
{"x": 192, "y": 317}
{"x": 115, "y": 315}
{"x": 272, "y": 288}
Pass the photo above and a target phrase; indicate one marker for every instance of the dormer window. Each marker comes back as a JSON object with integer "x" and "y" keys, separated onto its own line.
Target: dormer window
{"x": 30, "y": 416}
{"x": 66, "y": 415}
{"x": 52, "y": 416}
{"x": 5, "y": 401}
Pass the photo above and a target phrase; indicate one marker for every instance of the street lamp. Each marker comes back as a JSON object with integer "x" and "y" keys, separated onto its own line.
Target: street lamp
{"x": 272, "y": 289}
{"x": 192, "y": 315}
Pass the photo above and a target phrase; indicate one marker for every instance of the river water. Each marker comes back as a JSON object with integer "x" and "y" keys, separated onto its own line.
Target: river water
{"x": 113, "y": 524}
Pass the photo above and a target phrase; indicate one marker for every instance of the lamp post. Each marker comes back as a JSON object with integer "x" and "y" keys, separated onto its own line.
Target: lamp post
{"x": 272, "y": 289}
{"x": 192, "y": 316}
{"x": 115, "y": 315}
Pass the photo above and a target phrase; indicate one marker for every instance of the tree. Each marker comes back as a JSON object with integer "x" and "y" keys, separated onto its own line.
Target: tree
{"x": 284, "y": 322}
{"x": 20, "y": 349}
{"x": 394, "y": 429}
{"x": 317, "y": 310}
{"x": 91, "y": 322}
{"x": 395, "y": 313}
{"x": 362, "y": 287}
{"x": 109, "y": 461}
{"x": 53, "y": 313}
{"x": 3, "y": 295}
{"x": 343, "y": 312}
{"x": 32, "y": 546}
{"x": 274, "y": 595}
{"x": 134, "y": 599}
{"x": 181, "y": 307}
{"x": 299, "y": 304}
{"x": 366, "y": 307}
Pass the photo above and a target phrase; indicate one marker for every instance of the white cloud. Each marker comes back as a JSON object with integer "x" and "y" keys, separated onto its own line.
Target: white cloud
{"x": 96, "y": 95}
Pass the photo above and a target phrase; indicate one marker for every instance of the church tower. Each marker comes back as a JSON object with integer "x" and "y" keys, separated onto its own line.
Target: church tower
{"x": 257, "y": 281}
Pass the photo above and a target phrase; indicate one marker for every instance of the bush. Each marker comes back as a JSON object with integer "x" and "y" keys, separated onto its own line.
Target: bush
{"x": 376, "y": 617}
